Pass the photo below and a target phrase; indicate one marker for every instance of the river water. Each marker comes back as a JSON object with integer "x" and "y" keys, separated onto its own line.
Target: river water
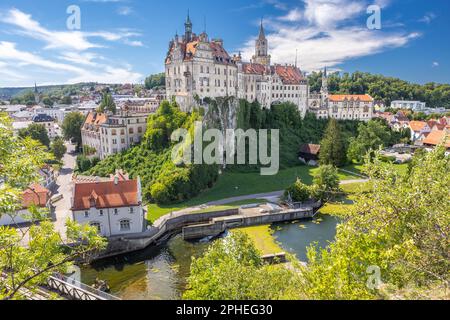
{"x": 161, "y": 272}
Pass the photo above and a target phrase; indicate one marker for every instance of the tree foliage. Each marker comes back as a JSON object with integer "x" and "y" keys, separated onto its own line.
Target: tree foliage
{"x": 393, "y": 244}
{"x": 26, "y": 267}
{"x": 232, "y": 269}
{"x": 155, "y": 81}
{"x": 58, "y": 148}
{"x": 332, "y": 146}
{"x": 163, "y": 180}
{"x": 386, "y": 89}
{"x": 371, "y": 136}
{"x": 36, "y": 132}
{"x": 107, "y": 104}
{"x": 72, "y": 127}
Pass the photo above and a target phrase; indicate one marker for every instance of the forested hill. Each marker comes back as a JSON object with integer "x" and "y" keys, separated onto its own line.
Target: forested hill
{"x": 384, "y": 88}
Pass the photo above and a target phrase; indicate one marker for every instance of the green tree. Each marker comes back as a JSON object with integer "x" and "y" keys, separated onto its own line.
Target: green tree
{"x": 326, "y": 180}
{"x": 37, "y": 132}
{"x": 58, "y": 148}
{"x": 155, "y": 80}
{"x": 299, "y": 192}
{"x": 400, "y": 228}
{"x": 332, "y": 147}
{"x": 26, "y": 267}
{"x": 47, "y": 101}
{"x": 232, "y": 269}
{"x": 72, "y": 127}
{"x": 66, "y": 100}
{"x": 107, "y": 103}
{"x": 371, "y": 136}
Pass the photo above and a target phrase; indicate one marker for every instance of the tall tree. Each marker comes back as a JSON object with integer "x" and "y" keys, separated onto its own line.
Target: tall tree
{"x": 37, "y": 132}
{"x": 155, "y": 80}
{"x": 72, "y": 127}
{"x": 332, "y": 147}
{"x": 371, "y": 136}
{"x": 58, "y": 148}
{"x": 107, "y": 103}
{"x": 26, "y": 267}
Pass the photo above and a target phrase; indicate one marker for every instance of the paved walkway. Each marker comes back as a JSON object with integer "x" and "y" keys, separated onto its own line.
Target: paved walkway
{"x": 63, "y": 187}
{"x": 271, "y": 196}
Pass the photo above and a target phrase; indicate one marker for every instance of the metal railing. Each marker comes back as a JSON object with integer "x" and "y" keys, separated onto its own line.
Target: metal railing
{"x": 77, "y": 290}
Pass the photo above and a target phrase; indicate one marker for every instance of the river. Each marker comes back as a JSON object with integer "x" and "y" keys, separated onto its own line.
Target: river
{"x": 161, "y": 272}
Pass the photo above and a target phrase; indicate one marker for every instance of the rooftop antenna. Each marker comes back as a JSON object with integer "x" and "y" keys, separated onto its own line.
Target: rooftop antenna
{"x": 204, "y": 23}
{"x": 296, "y": 57}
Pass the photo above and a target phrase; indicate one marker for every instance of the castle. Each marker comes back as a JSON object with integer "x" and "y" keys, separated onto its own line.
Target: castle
{"x": 197, "y": 67}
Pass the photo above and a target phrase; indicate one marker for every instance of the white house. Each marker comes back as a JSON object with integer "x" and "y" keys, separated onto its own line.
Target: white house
{"x": 411, "y": 105}
{"x": 49, "y": 124}
{"x": 114, "y": 207}
{"x": 36, "y": 195}
{"x": 419, "y": 129}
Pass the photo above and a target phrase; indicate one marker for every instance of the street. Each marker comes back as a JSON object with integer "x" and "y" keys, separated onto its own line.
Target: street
{"x": 63, "y": 187}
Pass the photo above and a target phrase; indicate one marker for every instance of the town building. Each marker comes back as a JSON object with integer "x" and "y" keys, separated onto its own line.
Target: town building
{"x": 419, "y": 130}
{"x": 415, "y": 106}
{"x": 48, "y": 122}
{"x": 199, "y": 67}
{"x": 114, "y": 207}
{"x": 36, "y": 195}
{"x": 309, "y": 154}
{"x": 340, "y": 106}
{"x": 106, "y": 134}
{"x": 436, "y": 138}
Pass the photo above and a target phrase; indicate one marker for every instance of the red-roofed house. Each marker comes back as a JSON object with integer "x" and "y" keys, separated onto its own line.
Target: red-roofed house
{"x": 436, "y": 138}
{"x": 419, "y": 129}
{"x": 36, "y": 195}
{"x": 114, "y": 206}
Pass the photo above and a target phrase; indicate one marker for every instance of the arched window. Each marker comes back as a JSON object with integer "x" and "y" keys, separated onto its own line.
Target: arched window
{"x": 97, "y": 225}
{"x": 125, "y": 225}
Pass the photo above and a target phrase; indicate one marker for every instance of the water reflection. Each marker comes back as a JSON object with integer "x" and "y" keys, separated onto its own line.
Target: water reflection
{"x": 161, "y": 272}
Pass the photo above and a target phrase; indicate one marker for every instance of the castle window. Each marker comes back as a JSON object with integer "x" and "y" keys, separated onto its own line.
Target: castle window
{"x": 125, "y": 225}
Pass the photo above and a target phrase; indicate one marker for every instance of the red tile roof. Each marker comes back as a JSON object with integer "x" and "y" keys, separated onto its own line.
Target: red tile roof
{"x": 343, "y": 97}
{"x": 95, "y": 118}
{"x": 289, "y": 74}
{"x": 313, "y": 149}
{"x": 436, "y": 138}
{"x": 102, "y": 195}
{"x": 35, "y": 195}
{"x": 254, "y": 68}
{"x": 417, "y": 126}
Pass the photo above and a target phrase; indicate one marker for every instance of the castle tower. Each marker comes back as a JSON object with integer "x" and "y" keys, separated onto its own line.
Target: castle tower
{"x": 261, "y": 48}
{"x": 324, "y": 89}
{"x": 188, "y": 29}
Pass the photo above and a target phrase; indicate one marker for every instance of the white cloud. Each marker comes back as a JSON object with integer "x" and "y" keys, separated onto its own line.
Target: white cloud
{"x": 125, "y": 11}
{"x": 328, "y": 33}
{"x": 82, "y": 68}
{"x": 435, "y": 64}
{"x": 427, "y": 18}
{"x": 74, "y": 40}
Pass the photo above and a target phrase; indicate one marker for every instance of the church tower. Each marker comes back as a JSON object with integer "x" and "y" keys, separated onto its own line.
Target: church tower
{"x": 188, "y": 29}
{"x": 324, "y": 89}
{"x": 262, "y": 48}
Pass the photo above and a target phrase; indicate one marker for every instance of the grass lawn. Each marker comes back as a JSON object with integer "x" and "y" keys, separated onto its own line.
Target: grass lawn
{"x": 357, "y": 168}
{"x": 337, "y": 208}
{"x": 232, "y": 184}
{"x": 263, "y": 239}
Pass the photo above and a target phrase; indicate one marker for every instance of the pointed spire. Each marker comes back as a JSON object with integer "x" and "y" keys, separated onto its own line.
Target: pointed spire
{"x": 262, "y": 34}
{"x": 188, "y": 20}
{"x": 325, "y": 72}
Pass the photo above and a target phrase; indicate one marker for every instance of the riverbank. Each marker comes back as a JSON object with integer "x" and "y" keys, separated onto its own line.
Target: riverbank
{"x": 236, "y": 185}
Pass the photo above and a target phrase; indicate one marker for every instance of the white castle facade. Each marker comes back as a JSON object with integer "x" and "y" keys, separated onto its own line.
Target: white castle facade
{"x": 199, "y": 67}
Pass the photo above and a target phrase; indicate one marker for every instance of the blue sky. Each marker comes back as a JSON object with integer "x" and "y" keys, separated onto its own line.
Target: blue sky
{"x": 126, "y": 40}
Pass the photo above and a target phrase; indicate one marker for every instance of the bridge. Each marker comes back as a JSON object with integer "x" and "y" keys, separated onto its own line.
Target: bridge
{"x": 66, "y": 288}
{"x": 74, "y": 290}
